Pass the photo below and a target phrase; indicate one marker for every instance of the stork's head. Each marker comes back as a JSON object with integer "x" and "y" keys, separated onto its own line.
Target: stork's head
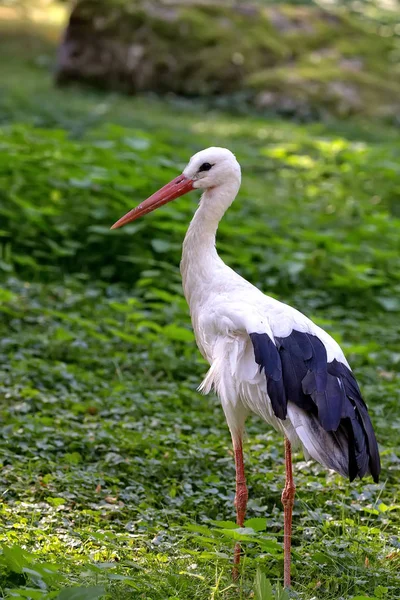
{"x": 210, "y": 169}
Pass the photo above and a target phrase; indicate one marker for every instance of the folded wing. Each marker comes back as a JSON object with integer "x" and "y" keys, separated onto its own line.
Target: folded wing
{"x": 321, "y": 398}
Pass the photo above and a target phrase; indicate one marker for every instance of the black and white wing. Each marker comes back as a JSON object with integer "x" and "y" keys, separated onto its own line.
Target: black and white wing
{"x": 320, "y": 396}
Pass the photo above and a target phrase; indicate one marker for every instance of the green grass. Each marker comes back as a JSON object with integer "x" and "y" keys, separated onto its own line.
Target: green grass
{"x": 117, "y": 475}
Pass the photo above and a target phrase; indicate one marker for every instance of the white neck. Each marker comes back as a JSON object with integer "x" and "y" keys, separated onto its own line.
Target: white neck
{"x": 200, "y": 263}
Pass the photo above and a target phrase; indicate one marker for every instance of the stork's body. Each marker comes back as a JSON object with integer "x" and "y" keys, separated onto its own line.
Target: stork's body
{"x": 265, "y": 357}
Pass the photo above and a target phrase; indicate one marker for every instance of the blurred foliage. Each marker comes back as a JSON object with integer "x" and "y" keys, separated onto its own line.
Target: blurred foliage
{"x": 304, "y": 60}
{"x": 117, "y": 476}
{"x": 342, "y": 241}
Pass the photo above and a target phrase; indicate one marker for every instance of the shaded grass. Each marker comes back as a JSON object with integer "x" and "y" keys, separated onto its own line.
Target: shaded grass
{"x": 114, "y": 469}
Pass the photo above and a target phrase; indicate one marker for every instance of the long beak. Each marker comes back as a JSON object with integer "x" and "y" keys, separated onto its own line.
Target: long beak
{"x": 175, "y": 188}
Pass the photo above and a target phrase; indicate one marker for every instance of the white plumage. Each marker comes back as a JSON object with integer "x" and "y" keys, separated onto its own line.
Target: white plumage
{"x": 225, "y": 309}
{"x": 265, "y": 357}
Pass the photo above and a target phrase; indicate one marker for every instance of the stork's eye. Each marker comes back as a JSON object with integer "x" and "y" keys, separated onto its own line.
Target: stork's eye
{"x": 205, "y": 167}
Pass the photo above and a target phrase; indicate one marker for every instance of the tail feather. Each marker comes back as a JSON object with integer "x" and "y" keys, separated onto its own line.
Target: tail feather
{"x": 363, "y": 447}
{"x": 346, "y": 450}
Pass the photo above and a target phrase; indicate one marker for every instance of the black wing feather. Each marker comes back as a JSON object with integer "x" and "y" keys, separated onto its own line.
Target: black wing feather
{"x": 297, "y": 369}
{"x": 267, "y": 357}
{"x": 359, "y": 417}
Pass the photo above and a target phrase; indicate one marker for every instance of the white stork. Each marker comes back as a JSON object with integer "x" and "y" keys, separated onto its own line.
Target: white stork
{"x": 265, "y": 357}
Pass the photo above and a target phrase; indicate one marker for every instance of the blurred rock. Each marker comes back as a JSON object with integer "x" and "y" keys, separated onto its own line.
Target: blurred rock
{"x": 299, "y": 60}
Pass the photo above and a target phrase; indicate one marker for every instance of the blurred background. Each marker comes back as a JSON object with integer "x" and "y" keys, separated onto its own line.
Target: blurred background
{"x": 113, "y": 467}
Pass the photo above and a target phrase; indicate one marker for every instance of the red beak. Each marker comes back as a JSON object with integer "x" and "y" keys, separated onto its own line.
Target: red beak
{"x": 175, "y": 188}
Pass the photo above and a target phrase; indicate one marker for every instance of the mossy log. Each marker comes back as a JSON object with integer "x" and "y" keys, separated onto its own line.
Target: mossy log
{"x": 292, "y": 59}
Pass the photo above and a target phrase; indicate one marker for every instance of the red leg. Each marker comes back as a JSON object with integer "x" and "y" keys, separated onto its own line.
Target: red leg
{"x": 287, "y": 501}
{"x": 240, "y": 500}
